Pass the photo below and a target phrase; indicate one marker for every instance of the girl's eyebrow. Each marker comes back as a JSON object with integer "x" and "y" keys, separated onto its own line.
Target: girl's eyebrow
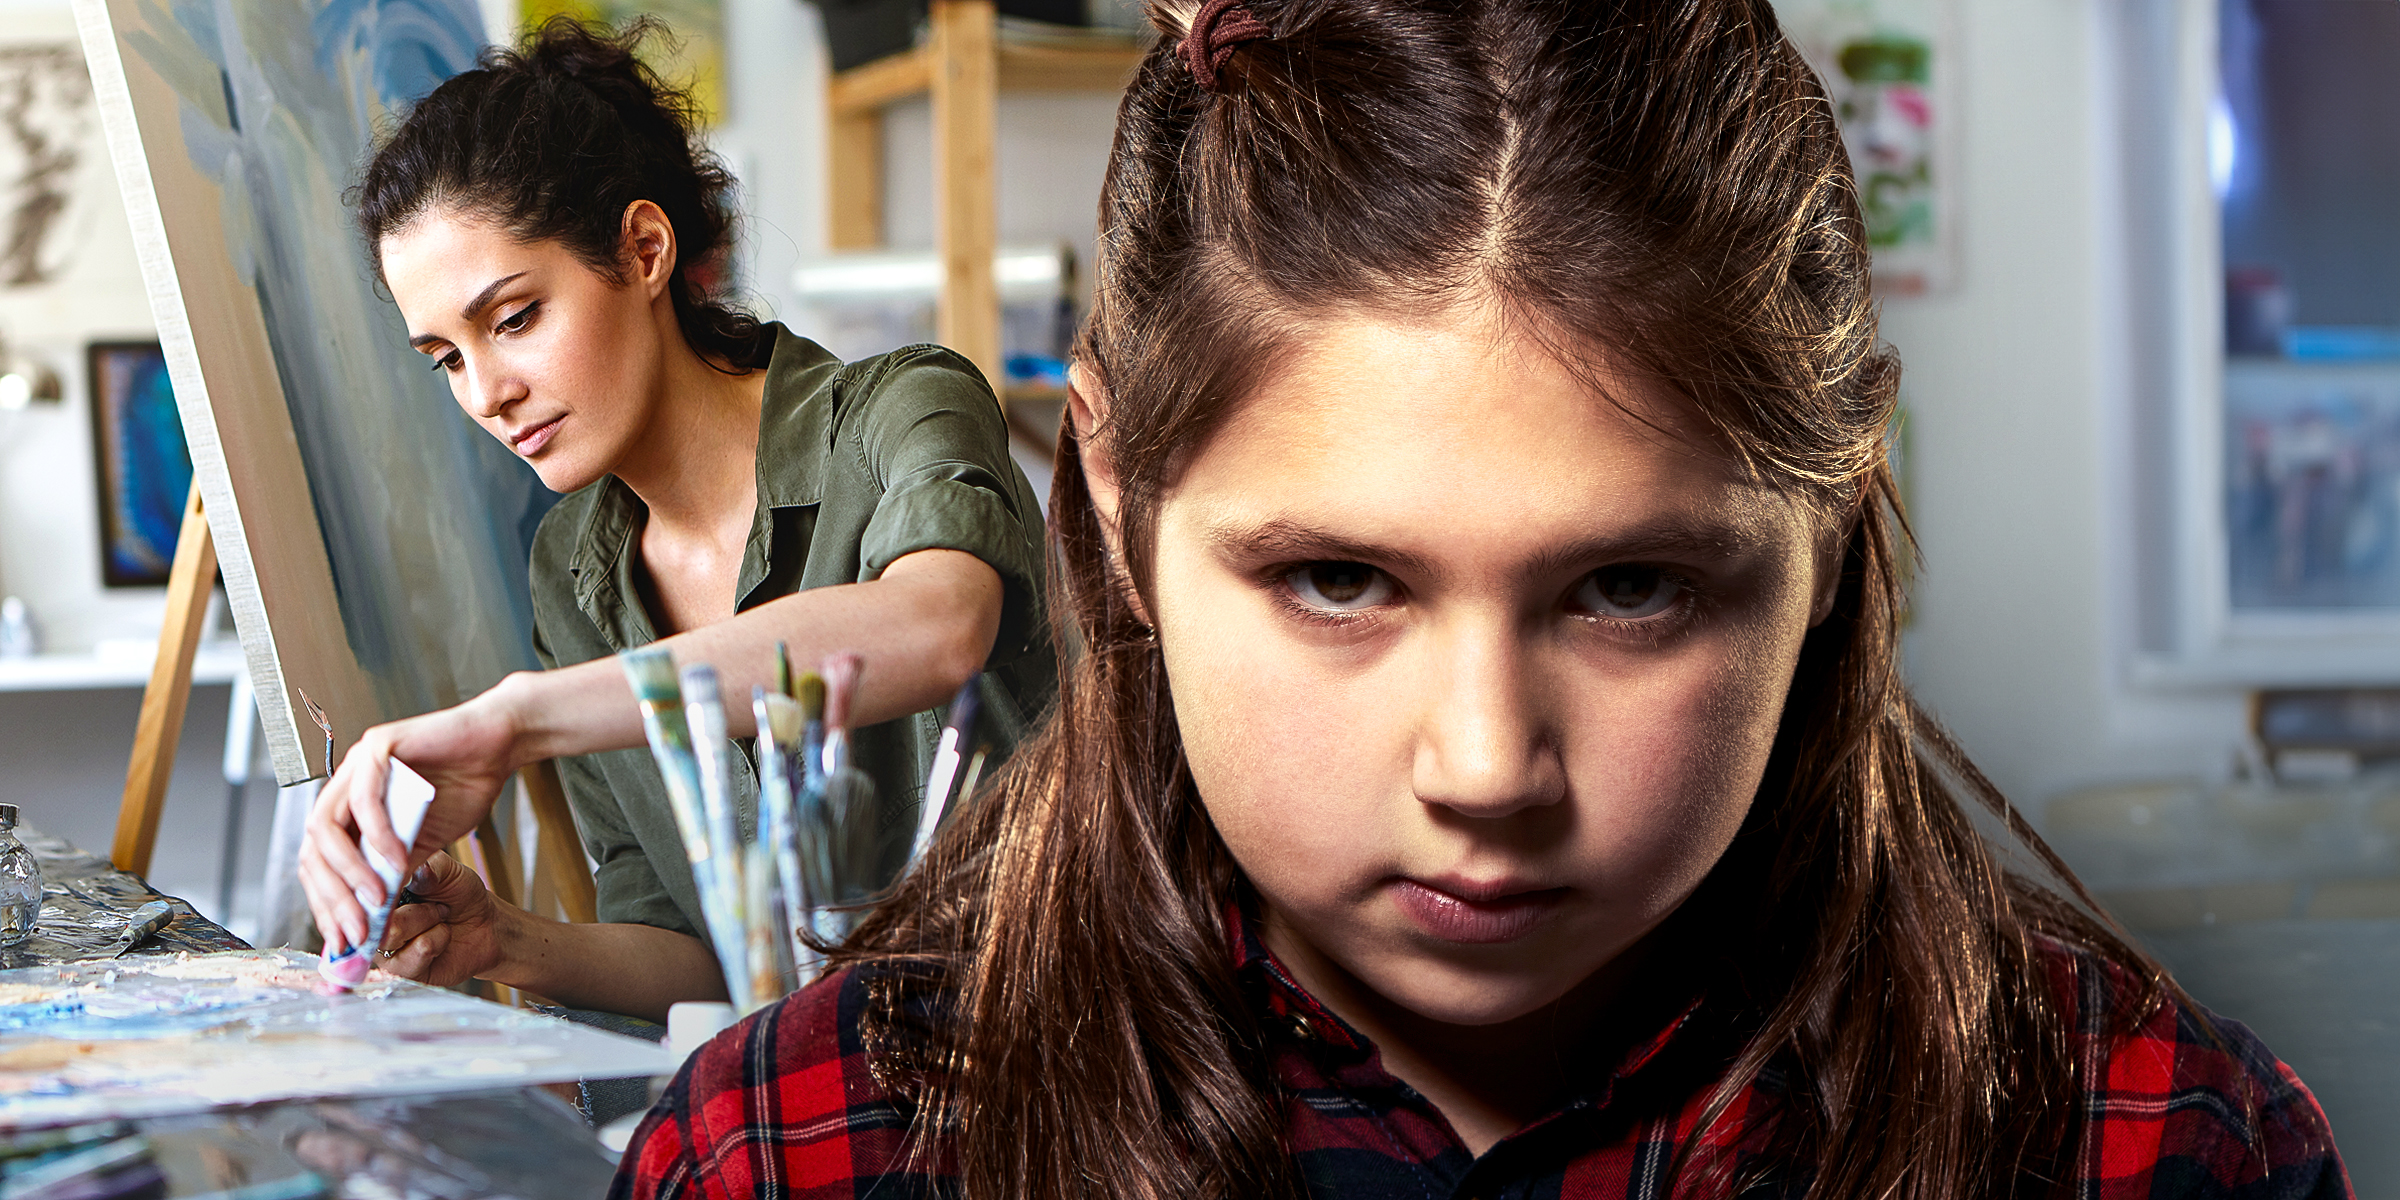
{"x": 1287, "y": 540}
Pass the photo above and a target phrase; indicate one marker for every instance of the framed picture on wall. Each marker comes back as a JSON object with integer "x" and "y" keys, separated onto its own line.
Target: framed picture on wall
{"x": 143, "y": 468}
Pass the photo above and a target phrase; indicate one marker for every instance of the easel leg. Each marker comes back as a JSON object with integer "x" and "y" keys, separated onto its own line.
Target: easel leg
{"x": 154, "y": 737}
{"x": 558, "y": 851}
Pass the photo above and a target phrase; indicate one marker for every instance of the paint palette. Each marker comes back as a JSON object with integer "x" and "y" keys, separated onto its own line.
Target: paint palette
{"x": 187, "y": 1033}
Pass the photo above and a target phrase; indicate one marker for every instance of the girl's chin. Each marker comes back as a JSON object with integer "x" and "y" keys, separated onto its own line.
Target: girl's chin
{"x": 1472, "y": 1006}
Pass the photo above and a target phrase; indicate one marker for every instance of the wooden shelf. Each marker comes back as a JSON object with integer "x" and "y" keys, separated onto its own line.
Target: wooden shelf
{"x": 217, "y": 662}
{"x": 963, "y": 67}
{"x": 887, "y": 81}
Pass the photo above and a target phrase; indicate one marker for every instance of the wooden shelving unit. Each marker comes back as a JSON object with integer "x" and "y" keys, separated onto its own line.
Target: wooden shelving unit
{"x": 964, "y": 66}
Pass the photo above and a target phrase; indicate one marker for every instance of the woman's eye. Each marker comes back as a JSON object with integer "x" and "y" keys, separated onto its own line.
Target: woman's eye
{"x": 1340, "y": 586}
{"x": 449, "y": 362}
{"x": 518, "y": 319}
{"x": 1628, "y": 593}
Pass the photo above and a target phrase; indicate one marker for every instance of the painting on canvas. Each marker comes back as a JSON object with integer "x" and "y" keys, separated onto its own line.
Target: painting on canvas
{"x": 143, "y": 467}
{"x": 373, "y": 541}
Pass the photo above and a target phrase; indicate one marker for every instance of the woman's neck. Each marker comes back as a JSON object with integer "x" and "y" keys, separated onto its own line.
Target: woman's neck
{"x": 695, "y": 464}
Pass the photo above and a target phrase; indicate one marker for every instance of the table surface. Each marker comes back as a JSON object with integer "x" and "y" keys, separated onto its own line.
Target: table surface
{"x": 85, "y": 902}
{"x": 524, "y": 1144}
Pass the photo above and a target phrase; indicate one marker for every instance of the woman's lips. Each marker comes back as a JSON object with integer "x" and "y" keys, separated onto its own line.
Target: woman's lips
{"x": 530, "y": 442}
{"x": 1498, "y": 915}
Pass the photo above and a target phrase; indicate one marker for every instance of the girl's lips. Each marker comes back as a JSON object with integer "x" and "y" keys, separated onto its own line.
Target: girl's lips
{"x": 530, "y": 442}
{"x": 1454, "y": 918}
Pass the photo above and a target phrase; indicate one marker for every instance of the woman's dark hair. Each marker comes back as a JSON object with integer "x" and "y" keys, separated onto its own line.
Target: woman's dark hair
{"x": 553, "y": 140}
{"x": 1655, "y": 186}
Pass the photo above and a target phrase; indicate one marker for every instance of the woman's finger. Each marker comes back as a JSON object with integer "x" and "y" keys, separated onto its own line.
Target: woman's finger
{"x": 411, "y": 920}
{"x": 369, "y": 766}
{"x": 417, "y": 959}
{"x": 330, "y": 836}
{"x": 335, "y": 907}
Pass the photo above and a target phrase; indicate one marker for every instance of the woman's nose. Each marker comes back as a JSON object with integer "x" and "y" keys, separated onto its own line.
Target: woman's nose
{"x": 490, "y": 392}
{"x": 1486, "y": 745}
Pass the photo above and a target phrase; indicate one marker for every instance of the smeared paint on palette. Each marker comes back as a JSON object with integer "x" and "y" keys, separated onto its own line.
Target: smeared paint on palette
{"x": 193, "y": 1032}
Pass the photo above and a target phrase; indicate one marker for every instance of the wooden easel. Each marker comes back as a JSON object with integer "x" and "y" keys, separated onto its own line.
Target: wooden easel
{"x": 559, "y": 857}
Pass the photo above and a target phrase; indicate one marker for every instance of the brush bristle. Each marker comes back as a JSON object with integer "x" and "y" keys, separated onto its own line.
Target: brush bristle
{"x": 858, "y": 842}
{"x": 841, "y": 682}
{"x": 784, "y": 719}
{"x": 811, "y": 696}
{"x": 783, "y": 668}
{"x": 651, "y": 671}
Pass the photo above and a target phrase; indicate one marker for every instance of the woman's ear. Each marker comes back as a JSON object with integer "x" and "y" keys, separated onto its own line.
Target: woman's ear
{"x": 648, "y": 247}
{"x": 1087, "y": 408}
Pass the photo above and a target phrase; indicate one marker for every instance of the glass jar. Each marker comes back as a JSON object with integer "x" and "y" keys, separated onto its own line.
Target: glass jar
{"x": 20, "y": 883}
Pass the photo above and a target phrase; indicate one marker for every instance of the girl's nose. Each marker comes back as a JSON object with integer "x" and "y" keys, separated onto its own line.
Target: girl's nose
{"x": 1486, "y": 746}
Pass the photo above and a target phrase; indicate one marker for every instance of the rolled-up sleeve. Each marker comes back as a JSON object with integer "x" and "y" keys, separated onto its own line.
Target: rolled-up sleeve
{"x": 934, "y": 438}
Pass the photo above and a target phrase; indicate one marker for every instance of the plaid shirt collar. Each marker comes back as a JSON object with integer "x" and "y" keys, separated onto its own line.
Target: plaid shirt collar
{"x": 1351, "y": 1060}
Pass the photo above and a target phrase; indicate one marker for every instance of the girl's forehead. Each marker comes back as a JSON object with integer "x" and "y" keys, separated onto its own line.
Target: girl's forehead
{"x": 1446, "y": 429}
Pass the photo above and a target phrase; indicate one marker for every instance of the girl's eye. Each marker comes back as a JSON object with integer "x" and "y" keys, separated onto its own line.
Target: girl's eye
{"x": 1340, "y": 586}
{"x": 518, "y": 319}
{"x": 1628, "y": 593}
{"x": 449, "y": 362}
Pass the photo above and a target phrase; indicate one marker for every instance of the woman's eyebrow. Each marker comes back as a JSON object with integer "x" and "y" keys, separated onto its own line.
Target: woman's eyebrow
{"x": 482, "y": 300}
{"x": 1286, "y": 540}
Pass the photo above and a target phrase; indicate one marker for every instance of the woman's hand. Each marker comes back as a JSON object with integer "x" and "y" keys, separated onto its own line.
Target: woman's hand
{"x": 451, "y": 933}
{"x": 467, "y": 753}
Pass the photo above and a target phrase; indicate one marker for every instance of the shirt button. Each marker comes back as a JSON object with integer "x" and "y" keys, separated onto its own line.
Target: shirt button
{"x": 1302, "y": 1028}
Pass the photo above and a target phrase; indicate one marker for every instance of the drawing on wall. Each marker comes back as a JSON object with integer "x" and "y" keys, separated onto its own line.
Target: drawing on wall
{"x": 45, "y": 115}
{"x": 373, "y": 541}
{"x": 2312, "y": 489}
{"x": 1887, "y": 66}
{"x": 696, "y": 60}
{"x": 159, "y": 1034}
{"x": 141, "y": 463}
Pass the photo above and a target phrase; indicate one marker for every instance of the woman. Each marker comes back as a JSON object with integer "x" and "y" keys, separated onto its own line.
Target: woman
{"x": 1488, "y": 774}
{"x": 549, "y": 226}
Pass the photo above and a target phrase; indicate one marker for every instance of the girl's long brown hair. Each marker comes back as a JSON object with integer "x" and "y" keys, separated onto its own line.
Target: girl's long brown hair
{"x": 1661, "y": 180}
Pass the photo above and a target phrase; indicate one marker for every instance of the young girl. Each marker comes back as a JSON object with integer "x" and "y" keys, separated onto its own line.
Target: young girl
{"x": 1486, "y": 772}
{"x": 550, "y": 230}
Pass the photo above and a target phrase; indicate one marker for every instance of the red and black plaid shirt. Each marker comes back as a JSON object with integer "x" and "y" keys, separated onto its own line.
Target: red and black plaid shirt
{"x": 783, "y": 1105}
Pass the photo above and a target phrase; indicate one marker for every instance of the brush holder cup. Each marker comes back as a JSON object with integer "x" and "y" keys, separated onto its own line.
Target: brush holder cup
{"x": 20, "y": 883}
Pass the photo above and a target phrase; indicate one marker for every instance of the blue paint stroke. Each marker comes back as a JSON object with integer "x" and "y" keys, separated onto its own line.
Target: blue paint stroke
{"x": 427, "y": 520}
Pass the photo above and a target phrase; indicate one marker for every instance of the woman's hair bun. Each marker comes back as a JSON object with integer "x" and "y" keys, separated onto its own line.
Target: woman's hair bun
{"x": 552, "y": 139}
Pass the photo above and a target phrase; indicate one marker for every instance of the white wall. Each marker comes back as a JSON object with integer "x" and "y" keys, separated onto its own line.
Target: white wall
{"x": 2016, "y": 642}
{"x": 49, "y": 507}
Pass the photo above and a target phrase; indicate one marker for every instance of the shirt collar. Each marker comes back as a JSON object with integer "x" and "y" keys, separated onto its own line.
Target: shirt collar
{"x": 795, "y": 432}
{"x": 1285, "y": 1006}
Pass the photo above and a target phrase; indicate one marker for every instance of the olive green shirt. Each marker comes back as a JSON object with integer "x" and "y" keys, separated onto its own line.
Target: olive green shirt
{"x": 858, "y": 465}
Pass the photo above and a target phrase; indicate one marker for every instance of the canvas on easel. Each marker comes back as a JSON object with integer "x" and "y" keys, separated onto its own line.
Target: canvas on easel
{"x": 373, "y": 542}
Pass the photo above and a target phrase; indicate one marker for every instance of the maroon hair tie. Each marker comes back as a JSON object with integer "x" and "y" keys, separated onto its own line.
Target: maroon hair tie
{"x": 1217, "y": 28}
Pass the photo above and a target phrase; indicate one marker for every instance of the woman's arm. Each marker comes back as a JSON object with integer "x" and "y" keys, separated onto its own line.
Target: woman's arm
{"x": 925, "y": 627}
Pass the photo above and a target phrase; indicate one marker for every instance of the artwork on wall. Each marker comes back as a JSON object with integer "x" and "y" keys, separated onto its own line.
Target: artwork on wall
{"x": 141, "y": 463}
{"x": 45, "y": 114}
{"x": 696, "y": 59}
{"x": 1889, "y": 68}
{"x": 372, "y": 540}
{"x": 2312, "y": 487}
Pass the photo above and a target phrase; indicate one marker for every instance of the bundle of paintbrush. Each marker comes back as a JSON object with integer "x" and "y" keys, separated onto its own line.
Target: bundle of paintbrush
{"x": 822, "y": 811}
{"x": 685, "y": 722}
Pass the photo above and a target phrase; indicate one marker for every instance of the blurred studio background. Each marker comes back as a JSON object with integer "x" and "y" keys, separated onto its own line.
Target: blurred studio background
{"x": 2141, "y": 259}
